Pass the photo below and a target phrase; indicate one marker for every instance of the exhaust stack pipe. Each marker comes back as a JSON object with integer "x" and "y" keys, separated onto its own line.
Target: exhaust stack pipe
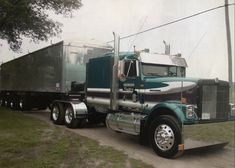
{"x": 114, "y": 84}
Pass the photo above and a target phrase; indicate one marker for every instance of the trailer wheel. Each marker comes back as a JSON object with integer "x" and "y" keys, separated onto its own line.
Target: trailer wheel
{"x": 15, "y": 105}
{"x": 1, "y": 101}
{"x": 70, "y": 120}
{"x": 57, "y": 114}
{"x": 23, "y": 105}
{"x": 11, "y": 104}
{"x": 4, "y": 103}
{"x": 165, "y": 136}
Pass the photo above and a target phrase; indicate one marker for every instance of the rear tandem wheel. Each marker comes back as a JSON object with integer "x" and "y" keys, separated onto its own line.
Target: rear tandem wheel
{"x": 57, "y": 113}
{"x": 70, "y": 120}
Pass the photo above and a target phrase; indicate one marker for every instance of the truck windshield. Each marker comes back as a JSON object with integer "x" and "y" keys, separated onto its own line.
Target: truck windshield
{"x": 162, "y": 70}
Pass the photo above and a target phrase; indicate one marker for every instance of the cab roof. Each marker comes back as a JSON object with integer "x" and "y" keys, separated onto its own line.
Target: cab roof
{"x": 162, "y": 59}
{"x": 154, "y": 58}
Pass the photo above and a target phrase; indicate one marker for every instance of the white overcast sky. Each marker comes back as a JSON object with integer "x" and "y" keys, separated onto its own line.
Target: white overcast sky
{"x": 201, "y": 40}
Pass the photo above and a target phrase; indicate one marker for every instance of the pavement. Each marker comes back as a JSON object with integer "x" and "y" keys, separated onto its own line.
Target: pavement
{"x": 196, "y": 158}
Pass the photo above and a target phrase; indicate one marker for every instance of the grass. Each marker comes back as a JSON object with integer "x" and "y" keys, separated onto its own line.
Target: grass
{"x": 27, "y": 142}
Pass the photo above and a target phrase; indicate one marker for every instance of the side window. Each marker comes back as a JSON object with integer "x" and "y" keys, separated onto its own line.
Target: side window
{"x": 172, "y": 71}
{"x": 130, "y": 69}
{"x": 182, "y": 71}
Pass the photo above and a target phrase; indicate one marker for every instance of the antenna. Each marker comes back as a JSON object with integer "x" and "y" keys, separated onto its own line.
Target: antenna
{"x": 167, "y": 48}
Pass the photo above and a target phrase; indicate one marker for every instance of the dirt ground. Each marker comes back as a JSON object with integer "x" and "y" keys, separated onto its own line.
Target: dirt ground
{"x": 200, "y": 158}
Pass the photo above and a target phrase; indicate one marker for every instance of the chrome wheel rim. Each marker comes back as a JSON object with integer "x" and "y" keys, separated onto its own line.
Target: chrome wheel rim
{"x": 68, "y": 115}
{"x": 164, "y": 137}
{"x": 21, "y": 104}
{"x": 55, "y": 113}
{"x": 11, "y": 104}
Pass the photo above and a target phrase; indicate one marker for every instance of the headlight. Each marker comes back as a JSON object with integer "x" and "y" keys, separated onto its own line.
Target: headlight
{"x": 190, "y": 111}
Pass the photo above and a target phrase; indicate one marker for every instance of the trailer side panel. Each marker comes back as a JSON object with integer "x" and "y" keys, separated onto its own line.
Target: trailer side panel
{"x": 39, "y": 71}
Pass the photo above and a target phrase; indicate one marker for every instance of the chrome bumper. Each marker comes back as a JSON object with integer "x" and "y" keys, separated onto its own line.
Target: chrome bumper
{"x": 206, "y": 134}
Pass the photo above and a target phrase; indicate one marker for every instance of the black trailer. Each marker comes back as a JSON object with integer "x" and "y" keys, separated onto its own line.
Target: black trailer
{"x": 52, "y": 73}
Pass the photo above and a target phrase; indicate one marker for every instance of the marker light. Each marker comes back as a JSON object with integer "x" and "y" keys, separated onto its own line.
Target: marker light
{"x": 189, "y": 111}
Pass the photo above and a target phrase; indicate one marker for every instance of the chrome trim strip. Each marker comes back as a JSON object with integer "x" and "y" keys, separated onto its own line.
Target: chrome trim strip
{"x": 100, "y": 90}
{"x": 126, "y": 103}
{"x": 172, "y": 87}
{"x": 130, "y": 104}
{"x": 100, "y": 101}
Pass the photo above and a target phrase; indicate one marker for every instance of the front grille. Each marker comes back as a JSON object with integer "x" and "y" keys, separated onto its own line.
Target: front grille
{"x": 222, "y": 102}
{"x": 213, "y": 99}
{"x": 209, "y": 94}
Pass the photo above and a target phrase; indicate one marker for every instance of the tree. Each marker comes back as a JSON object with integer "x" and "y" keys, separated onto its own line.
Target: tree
{"x": 30, "y": 18}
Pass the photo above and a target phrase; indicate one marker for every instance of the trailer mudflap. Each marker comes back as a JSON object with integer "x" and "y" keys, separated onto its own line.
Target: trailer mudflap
{"x": 205, "y": 134}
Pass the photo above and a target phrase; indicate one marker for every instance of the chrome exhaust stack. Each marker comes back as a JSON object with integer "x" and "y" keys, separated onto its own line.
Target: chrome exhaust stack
{"x": 114, "y": 84}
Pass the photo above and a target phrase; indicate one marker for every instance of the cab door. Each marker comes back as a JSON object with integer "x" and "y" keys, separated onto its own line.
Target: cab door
{"x": 129, "y": 92}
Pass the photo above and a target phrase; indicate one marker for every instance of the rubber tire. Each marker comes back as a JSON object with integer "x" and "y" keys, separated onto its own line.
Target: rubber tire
{"x": 174, "y": 125}
{"x": 25, "y": 105}
{"x": 8, "y": 104}
{"x": 16, "y": 104}
{"x": 1, "y": 102}
{"x": 60, "y": 119}
{"x": 75, "y": 122}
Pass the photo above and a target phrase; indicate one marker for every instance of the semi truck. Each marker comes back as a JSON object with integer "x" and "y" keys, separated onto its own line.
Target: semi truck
{"x": 139, "y": 93}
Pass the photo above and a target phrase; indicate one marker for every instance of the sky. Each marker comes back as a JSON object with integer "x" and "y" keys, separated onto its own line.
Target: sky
{"x": 201, "y": 40}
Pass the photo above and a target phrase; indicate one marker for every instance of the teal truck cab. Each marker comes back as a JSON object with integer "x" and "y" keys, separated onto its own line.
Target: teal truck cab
{"x": 148, "y": 95}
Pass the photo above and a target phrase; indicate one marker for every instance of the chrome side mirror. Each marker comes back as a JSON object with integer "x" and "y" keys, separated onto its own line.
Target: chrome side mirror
{"x": 121, "y": 74}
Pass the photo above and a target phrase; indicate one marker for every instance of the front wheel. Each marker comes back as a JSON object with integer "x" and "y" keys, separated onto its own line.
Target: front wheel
{"x": 70, "y": 120}
{"x": 165, "y": 136}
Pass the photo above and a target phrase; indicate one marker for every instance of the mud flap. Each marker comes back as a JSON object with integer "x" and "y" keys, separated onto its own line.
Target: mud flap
{"x": 143, "y": 139}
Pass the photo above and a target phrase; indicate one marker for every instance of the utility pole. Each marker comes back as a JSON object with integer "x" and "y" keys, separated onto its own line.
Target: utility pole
{"x": 229, "y": 49}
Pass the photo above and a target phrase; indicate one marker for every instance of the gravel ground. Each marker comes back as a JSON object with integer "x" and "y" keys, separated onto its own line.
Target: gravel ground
{"x": 197, "y": 158}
